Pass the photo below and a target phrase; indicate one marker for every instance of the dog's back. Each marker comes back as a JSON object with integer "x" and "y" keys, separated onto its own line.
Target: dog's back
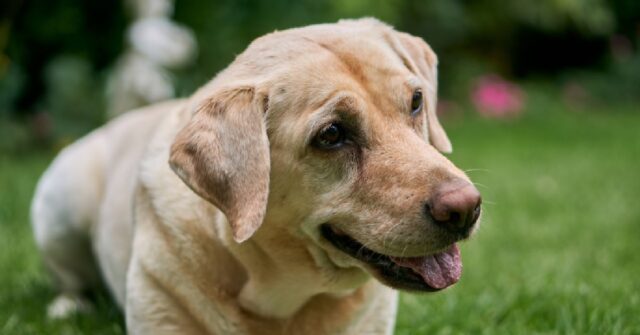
{"x": 90, "y": 181}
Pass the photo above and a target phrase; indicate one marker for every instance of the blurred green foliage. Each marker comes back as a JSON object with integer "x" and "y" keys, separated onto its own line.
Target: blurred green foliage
{"x": 484, "y": 35}
{"x": 55, "y": 55}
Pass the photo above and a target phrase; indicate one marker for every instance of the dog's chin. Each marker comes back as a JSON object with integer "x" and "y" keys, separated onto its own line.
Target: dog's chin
{"x": 428, "y": 273}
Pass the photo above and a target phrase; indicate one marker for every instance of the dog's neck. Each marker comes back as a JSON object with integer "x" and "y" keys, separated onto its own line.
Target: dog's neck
{"x": 280, "y": 284}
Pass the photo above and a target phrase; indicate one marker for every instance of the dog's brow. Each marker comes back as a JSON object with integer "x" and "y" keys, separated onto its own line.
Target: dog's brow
{"x": 341, "y": 104}
{"x": 402, "y": 53}
{"x": 413, "y": 82}
{"x": 342, "y": 101}
{"x": 328, "y": 99}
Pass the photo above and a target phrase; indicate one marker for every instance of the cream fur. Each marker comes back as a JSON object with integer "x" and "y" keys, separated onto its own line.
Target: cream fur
{"x": 240, "y": 146}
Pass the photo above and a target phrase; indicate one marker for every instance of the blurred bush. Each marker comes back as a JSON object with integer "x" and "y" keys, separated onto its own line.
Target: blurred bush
{"x": 55, "y": 54}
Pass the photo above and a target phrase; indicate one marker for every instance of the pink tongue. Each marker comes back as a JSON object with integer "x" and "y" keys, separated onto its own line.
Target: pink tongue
{"x": 439, "y": 270}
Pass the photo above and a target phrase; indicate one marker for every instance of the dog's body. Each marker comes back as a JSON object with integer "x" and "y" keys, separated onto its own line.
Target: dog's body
{"x": 163, "y": 195}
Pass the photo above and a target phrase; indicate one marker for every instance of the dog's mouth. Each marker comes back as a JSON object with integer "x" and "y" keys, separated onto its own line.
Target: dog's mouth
{"x": 426, "y": 273}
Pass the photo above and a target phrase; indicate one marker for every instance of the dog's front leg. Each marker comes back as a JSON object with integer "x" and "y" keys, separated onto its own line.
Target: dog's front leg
{"x": 163, "y": 294}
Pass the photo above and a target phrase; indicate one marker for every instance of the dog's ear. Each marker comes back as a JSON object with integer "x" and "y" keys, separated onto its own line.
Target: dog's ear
{"x": 222, "y": 154}
{"x": 426, "y": 64}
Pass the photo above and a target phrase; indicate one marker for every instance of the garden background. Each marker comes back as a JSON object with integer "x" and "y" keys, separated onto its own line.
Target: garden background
{"x": 540, "y": 99}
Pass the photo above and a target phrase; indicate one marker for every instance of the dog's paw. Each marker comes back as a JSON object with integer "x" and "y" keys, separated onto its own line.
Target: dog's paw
{"x": 66, "y": 305}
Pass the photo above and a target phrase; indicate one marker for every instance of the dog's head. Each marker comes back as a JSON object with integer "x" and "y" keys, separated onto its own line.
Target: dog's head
{"x": 328, "y": 134}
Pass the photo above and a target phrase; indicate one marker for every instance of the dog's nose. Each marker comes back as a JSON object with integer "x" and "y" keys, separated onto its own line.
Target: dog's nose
{"x": 455, "y": 206}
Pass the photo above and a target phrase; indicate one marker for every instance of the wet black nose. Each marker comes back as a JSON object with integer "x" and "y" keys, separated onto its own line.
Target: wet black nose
{"x": 455, "y": 206}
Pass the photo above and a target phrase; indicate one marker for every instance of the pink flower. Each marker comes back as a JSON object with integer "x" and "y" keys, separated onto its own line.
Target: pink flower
{"x": 497, "y": 98}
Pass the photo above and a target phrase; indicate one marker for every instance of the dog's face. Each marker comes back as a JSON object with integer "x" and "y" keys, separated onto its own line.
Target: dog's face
{"x": 346, "y": 160}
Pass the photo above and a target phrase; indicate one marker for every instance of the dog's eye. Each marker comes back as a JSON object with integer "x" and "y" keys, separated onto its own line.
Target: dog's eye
{"x": 330, "y": 137}
{"x": 416, "y": 102}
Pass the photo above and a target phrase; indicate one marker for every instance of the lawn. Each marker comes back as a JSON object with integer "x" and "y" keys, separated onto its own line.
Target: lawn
{"x": 557, "y": 251}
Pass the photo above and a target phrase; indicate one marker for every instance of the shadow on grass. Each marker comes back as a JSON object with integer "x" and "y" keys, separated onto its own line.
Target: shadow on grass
{"x": 23, "y": 311}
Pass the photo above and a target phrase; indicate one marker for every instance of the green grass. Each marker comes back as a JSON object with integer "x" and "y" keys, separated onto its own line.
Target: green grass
{"x": 558, "y": 251}
{"x": 25, "y": 288}
{"x": 558, "y": 248}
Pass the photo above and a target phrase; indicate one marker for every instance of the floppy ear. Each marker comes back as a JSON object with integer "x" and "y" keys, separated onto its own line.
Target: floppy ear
{"x": 222, "y": 154}
{"x": 426, "y": 62}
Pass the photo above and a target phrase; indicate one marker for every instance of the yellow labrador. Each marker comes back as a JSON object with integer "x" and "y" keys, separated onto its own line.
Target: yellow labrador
{"x": 268, "y": 201}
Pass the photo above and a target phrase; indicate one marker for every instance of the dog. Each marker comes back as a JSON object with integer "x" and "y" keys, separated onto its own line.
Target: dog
{"x": 292, "y": 194}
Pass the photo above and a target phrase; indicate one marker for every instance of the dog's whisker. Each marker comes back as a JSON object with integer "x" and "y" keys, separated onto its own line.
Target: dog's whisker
{"x": 481, "y": 185}
{"x": 477, "y": 170}
{"x": 386, "y": 234}
{"x": 393, "y": 238}
{"x": 403, "y": 251}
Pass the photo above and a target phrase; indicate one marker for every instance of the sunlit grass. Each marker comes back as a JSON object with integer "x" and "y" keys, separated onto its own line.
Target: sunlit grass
{"x": 557, "y": 253}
